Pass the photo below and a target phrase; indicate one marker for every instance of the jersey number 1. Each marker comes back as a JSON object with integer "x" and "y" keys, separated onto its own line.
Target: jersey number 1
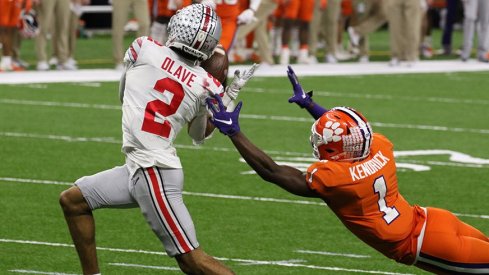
{"x": 162, "y": 108}
{"x": 390, "y": 213}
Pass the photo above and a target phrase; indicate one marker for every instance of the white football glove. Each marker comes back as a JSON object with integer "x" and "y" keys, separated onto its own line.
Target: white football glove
{"x": 239, "y": 80}
{"x": 246, "y": 17}
{"x": 209, "y": 3}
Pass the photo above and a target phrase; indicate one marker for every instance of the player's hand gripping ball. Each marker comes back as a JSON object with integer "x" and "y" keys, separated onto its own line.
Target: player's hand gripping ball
{"x": 218, "y": 64}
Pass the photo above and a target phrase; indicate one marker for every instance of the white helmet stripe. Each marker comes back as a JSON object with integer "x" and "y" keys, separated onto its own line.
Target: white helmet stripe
{"x": 362, "y": 125}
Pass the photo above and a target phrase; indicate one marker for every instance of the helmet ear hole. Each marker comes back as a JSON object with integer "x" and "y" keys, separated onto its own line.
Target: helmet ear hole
{"x": 330, "y": 150}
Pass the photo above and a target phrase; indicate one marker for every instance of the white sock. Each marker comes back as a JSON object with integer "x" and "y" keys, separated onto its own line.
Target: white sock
{"x": 6, "y": 60}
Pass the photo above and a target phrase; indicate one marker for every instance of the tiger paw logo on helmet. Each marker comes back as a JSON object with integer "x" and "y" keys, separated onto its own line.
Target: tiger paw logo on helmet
{"x": 331, "y": 132}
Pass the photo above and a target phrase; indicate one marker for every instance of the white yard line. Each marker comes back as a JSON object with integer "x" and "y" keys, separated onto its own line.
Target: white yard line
{"x": 365, "y": 96}
{"x": 197, "y": 194}
{"x": 62, "y": 138}
{"x": 340, "y": 69}
{"x": 326, "y": 253}
{"x": 291, "y": 264}
{"x": 146, "y": 266}
{"x": 247, "y": 116}
{"x": 286, "y": 263}
{"x": 70, "y": 245}
{"x": 59, "y": 104}
{"x": 218, "y": 196}
{"x": 24, "y": 271}
{"x": 376, "y": 124}
{"x": 112, "y": 140}
{"x": 319, "y": 93}
{"x": 283, "y": 156}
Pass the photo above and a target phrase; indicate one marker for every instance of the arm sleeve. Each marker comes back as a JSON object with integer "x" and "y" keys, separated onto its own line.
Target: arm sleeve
{"x": 134, "y": 49}
{"x": 130, "y": 58}
{"x": 315, "y": 178}
{"x": 122, "y": 86}
{"x": 197, "y": 127}
{"x": 316, "y": 110}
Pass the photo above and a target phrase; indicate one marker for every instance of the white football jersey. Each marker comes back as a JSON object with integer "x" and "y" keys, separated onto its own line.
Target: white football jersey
{"x": 162, "y": 92}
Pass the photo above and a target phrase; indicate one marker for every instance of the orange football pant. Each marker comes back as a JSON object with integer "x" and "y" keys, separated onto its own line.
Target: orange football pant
{"x": 299, "y": 9}
{"x": 451, "y": 245}
{"x": 229, "y": 27}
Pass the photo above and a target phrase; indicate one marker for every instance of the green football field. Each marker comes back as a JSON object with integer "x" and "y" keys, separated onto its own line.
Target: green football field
{"x": 52, "y": 134}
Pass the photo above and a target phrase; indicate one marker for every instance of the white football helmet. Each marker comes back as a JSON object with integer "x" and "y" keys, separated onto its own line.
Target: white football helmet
{"x": 29, "y": 26}
{"x": 196, "y": 30}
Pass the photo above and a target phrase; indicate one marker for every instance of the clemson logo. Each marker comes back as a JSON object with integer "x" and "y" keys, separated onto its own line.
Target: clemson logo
{"x": 331, "y": 132}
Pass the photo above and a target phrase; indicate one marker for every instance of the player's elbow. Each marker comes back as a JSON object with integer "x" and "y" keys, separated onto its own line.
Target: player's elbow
{"x": 197, "y": 129}
{"x": 270, "y": 176}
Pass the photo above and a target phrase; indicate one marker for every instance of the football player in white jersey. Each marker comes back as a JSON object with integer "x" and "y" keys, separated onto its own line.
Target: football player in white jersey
{"x": 162, "y": 89}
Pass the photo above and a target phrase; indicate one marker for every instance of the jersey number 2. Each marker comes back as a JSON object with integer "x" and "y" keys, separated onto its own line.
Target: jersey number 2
{"x": 163, "y": 108}
{"x": 390, "y": 213}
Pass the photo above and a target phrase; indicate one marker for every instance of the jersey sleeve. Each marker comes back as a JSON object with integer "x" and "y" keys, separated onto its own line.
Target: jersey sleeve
{"x": 130, "y": 58}
{"x": 133, "y": 51}
{"x": 211, "y": 86}
{"x": 386, "y": 143}
{"x": 314, "y": 177}
{"x": 214, "y": 85}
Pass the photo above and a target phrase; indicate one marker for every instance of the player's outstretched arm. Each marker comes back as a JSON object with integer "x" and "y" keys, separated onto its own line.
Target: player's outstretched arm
{"x": 304, "y": 100}
{"x": 289, "y": 178}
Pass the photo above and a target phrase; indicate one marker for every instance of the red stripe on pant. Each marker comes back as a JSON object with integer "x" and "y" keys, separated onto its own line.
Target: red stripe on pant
{"x": 168, "y": 218}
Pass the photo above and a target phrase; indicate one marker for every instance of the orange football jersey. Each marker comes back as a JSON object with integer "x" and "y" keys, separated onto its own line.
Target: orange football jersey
{"x": 10, "y": 11}
{"x": 365, "y": 197}
{"x": 227, "y": 8}
{"x": 161, "y": 7}
{"x": 297, "y": 9}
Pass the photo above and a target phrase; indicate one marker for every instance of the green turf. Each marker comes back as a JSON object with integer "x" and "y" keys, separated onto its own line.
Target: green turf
{"x": 96, "y": 52}
{"x": 39, "y": 141}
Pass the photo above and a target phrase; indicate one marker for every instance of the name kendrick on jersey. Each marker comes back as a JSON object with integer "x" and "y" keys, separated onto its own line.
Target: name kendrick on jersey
{"x": 370, "y": 167}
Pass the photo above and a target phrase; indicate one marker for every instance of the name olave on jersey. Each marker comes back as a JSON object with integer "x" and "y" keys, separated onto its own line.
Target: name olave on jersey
{"x": 180, "y": 72}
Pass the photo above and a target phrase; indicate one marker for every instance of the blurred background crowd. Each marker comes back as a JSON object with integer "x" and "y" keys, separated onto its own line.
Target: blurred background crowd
{"x": 263, "y": 31}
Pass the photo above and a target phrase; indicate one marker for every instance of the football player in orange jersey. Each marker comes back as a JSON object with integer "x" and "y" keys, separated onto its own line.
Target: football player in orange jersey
{"x": 356, "y": 177}
{"x": 232, "y": 15}
{"x": 161, "y": 11}
{"x": 296, "y": 13}
{"x": 10, "y": 19}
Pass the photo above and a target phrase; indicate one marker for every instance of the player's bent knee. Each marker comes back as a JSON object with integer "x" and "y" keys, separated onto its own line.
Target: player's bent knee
{"x": 72, "y": 201}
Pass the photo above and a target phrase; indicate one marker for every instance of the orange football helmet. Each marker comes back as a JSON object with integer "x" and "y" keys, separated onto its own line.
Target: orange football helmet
{"x": 341, "y": 134}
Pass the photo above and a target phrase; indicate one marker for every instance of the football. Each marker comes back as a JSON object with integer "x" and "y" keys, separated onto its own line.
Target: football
{"x": 218, "y": 64}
